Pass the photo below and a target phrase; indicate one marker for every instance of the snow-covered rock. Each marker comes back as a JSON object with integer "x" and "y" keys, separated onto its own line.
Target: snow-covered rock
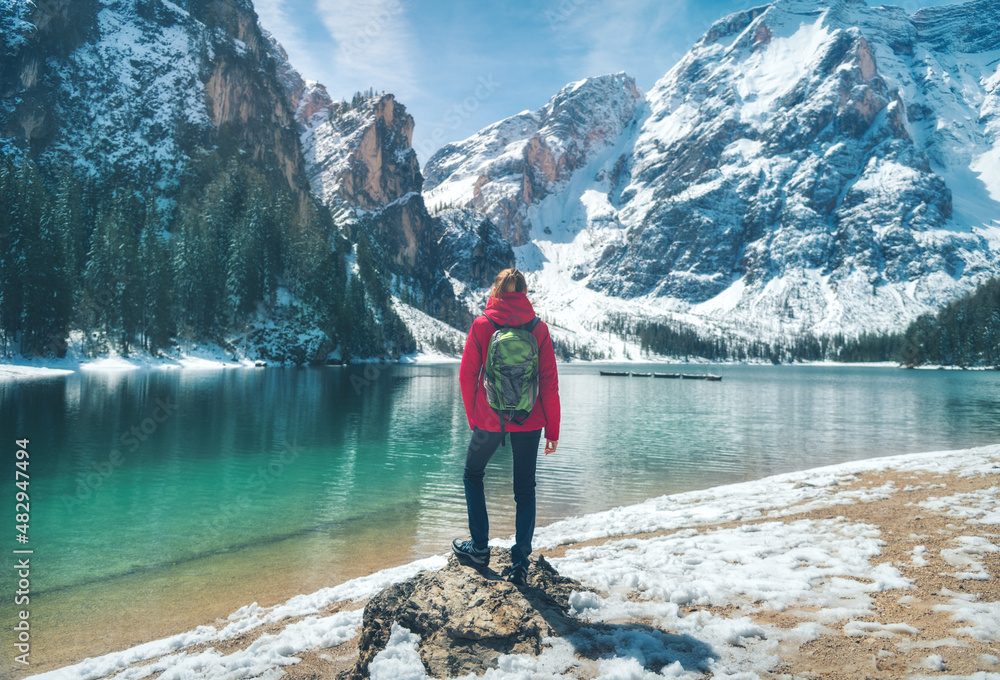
{"x": 131, "y": 92}
{"x": 512, "y": 165}
{"x": 824, "y": 168}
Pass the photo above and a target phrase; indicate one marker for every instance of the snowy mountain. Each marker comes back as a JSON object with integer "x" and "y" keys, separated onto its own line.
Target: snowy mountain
{"x": 141, "y": 135}
{"x": 803, "y": 168}
{"x": 130, "y": 91}
{"x": 360, "y": 162}
{"x": 154, "y": 184}
{"x": 516, "y": 163}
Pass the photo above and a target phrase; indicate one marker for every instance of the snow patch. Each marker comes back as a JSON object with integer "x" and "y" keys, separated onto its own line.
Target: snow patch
{"x": 799, "y": 568}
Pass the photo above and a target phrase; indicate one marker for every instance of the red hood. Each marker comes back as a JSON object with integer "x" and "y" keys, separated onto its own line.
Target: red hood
{"x": 512, "y": 308}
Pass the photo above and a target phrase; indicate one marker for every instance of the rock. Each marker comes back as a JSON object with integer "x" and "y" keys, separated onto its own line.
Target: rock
{"x": 513, "y": 165}
{"x": 470, "y": 248}
{"x": 467, "y": 618}
{"x": 137, "y": 92}
{"x": 819, "y": 194}
{"x": 360, "y": 155}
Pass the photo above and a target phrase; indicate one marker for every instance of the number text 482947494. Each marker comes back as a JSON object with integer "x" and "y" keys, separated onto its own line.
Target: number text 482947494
{"x": 22, "y": 566}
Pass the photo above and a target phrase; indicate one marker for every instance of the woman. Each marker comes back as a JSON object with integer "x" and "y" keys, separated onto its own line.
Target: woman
{"x": 507, "y": 306}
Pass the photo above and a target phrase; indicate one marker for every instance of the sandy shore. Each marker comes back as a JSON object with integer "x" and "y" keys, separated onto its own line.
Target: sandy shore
{"x": 876, "y": 651}
{"x": 923, "y": 602}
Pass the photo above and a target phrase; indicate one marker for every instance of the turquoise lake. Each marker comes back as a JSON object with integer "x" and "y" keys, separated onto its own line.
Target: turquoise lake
{"x": 162, "y": 499}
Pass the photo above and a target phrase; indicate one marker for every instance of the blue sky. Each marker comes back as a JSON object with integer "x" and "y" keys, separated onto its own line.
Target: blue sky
{"x": 460, "y": 65}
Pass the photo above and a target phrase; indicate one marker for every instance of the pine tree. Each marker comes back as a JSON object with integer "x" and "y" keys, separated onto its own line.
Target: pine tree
{"x": 11, "y": 257}
{"x": 200, "y": 277}
{"x": 47, "y": 297}
{"x": 70, "y": 223}
{"x": 157, "y": 324}
{"x": 274, "y": 209}
{"x": 130, "y": 219}
{"x": 112, "y": 275}
{"x": 245, "y": 261}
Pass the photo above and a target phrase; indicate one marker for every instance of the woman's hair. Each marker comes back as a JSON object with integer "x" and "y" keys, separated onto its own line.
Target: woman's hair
{"x": 508, "y": 281}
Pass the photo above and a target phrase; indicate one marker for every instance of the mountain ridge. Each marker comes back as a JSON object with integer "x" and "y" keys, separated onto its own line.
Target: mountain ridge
{"x": 801, "y": 170}
{"x": 794, "y": 172}
{"x": 143, "y": 136}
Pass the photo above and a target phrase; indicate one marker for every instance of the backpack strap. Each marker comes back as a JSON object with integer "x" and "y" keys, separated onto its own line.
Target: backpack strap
{"x": 503, "y": 429}
{"x": 530, "y": 326}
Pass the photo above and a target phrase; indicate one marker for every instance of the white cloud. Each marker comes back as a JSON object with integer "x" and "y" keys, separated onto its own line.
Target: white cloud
{"x": 274, "y": 17}
{"x": 375, "y": 45}
{"x": 645, "y": 39}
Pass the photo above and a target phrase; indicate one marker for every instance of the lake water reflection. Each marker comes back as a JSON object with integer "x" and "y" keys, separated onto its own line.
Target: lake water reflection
{"x": 290, "y": 479}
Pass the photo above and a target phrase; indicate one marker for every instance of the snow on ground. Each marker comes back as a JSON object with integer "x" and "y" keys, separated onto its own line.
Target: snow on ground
{"x": 981, "y": 507}
{"x": 19, "y": 371}
{"x": 688, "y": 566}
{"x": 773, "y": 497}
{"x": 436, "y": 341}
{"x": 191, "y": 357}
{"x": 268, "y": 653}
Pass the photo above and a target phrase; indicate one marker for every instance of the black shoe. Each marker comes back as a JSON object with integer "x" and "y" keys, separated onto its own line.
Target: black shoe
{"x": 517, "y": 573}
{"x": 468, "y": 552}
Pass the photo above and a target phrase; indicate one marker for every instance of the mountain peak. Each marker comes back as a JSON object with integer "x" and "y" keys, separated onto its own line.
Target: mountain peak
{"x": 799, "y": 168}
{"x": 358, "y": 152}
{"x": 513, "y": 165}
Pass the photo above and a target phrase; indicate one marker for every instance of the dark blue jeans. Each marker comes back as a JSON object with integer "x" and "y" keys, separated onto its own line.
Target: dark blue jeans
{"x": 525, "y": 449}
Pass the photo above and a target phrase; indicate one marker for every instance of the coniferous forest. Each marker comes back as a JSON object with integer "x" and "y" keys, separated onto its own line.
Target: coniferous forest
{"x": 130, "y": 271}
{"x": 129, "y": 275}
{"x": 964, "y": 333}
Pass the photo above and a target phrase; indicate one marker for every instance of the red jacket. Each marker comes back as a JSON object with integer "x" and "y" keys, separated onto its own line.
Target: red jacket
{"x": 513, "y": 307}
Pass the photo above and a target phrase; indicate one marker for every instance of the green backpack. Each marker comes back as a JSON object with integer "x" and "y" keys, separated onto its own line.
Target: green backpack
{"x": 511, "y": 373}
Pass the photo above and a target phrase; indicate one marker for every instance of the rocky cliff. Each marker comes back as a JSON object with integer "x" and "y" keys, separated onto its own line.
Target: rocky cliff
{"x": 360, "y": 159}
{"x": 803, "y": 183}
{"x": 131, "y": 91}
{"x": 360, "y": 154}
{"x": 824, "y": 168}
{"x": 513, "y": 165}
{"x": 187, "y": 104}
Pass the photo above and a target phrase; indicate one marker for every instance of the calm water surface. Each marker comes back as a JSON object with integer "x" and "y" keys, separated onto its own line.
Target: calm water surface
{"x": 165, "y": 498}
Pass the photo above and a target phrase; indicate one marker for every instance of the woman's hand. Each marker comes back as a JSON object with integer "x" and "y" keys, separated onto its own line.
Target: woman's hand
{"x": 550, "y": 446}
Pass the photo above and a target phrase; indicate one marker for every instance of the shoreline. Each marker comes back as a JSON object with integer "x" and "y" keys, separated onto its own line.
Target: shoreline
{"x": 869, "y": 491}
{"x": 214, "y": 358}
{"x": 211, "y": 589}
{"x": 28, "y": 369}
